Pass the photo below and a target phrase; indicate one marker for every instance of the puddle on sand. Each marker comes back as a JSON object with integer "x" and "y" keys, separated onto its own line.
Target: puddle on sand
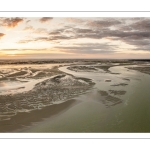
{"x": 13, "y": 87}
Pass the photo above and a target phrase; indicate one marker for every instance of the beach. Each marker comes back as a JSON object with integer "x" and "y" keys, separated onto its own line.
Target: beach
{"x": 74, "y": 98}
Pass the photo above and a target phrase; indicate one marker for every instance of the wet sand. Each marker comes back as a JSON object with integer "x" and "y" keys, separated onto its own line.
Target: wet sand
{"x": 56, "y": 89}
{"x": 143, "y": 69}
{"x": 49, "y": 95}
{"x": 24, "y": 119}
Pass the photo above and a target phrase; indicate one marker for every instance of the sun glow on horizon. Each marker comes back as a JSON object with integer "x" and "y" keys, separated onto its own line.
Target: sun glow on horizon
{"x": 74, "y": 37}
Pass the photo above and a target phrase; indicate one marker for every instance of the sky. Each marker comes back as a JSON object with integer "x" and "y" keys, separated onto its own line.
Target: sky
{"x": 89, "y": 38}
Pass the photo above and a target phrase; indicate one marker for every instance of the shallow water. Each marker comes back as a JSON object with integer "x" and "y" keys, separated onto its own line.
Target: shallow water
{"x": 131, "y": 114}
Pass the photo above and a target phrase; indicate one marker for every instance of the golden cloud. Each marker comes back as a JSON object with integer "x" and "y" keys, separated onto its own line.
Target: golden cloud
{"x": 11, "y": 22}
{"x": 1, "y": 35}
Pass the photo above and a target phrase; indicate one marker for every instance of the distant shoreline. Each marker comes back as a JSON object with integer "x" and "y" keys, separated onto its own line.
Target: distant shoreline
{"x": 57, "y": 61}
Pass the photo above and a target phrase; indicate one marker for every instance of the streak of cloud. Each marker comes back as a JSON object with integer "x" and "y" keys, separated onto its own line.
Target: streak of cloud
{"x": 87, "y": 48}
{"x": 1, "y": 35}
{"x": 40, "y": 31}
{"x": 25, "y": 49}
{"x": 103, "y": 23}
{"x": 45, "y": 19}
{"x": 28, "y": 28}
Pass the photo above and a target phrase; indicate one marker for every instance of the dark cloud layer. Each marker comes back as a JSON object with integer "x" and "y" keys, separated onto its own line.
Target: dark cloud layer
{"x": 86, "y": 48}
{"x": 10, "y": 22}
{"x": 104, "y": 23}
{"x": 132, "y": 31}
{"x": 96, "y": 34}
{"x": 142, "y": 25}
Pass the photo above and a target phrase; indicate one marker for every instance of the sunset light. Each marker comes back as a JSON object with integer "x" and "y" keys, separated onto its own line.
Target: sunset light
{"x": 49, "y": 37}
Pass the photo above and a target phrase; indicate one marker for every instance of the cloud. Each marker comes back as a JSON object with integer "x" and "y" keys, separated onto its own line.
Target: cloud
{"x": 74, "y": 20}
{"x": 53, "y": 38}
{"x": 82, "y": 30}
{"x": 36, "y": 31}
{"x": 1, "y": 35}
{"x": 40, "y": 30}
{"x": 62, "y": 34}
{"x": 10, "y": 22}
{"x": 139, "y": 44}
{"x": 12, "y": 49}
{"x": 56, "y": 32}
{"x": 28, "y": 28}
{"x": 125, "y": 28}
{"x": 135, "y": 24}
{"x": 89, "y": 48}
{"x": 25, "y": 41}
{"x": 28, "y": 21}
{"x": 143, "y": 48}
{"x": 132, "y": 31}
{"x": 45, "y": 19}
{"x": 46, "y": 39}
{"x": 25, "y": 49}
{"x": 142, "y": 25}
{"x": 107, "y": 22}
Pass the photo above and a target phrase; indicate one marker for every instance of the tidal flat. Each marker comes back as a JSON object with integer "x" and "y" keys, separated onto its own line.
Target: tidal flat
{"x": 81, "y": 96}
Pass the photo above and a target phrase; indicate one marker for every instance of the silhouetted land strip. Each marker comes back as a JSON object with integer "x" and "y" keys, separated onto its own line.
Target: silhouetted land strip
{"x": 52, "y": 61}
